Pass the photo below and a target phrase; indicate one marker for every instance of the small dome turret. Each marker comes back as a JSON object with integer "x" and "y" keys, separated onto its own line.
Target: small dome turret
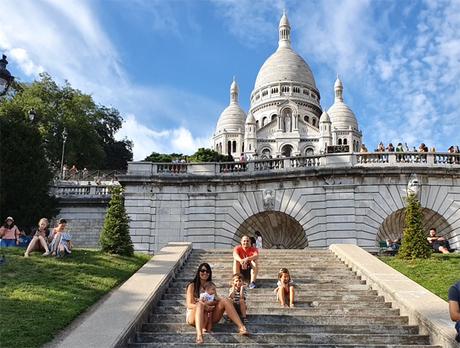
{"x": 340, "y": 114}
{"x": 233, "y": 117}
{"x": 250, "y": 119}
{"x": 324, "y": 118}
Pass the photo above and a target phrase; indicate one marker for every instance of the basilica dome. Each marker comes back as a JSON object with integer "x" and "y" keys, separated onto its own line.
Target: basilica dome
{"x": 340, "y": 114}
{"x": 233, "y": 117}
{"x": 285, "y": 64}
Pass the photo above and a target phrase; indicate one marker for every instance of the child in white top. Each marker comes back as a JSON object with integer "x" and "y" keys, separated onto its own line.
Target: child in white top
{"x": 258, "y": 240}
{"x": 209, "y": 296}
{"x": 285, "y": 288}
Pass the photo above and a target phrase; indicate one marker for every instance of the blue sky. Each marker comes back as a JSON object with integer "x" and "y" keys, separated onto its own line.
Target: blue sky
{"x": 167, "y": 65}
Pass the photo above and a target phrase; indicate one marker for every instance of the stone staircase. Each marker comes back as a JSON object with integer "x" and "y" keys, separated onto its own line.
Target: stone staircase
{"x": 334, "y": 308}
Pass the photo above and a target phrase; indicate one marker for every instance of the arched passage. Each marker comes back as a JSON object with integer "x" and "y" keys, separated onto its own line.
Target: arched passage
{"x": 393, "y": 226}
{"x": 279, "y": 230}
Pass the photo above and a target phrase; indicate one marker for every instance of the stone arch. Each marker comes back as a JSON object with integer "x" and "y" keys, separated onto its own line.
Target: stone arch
{"x": 286, "y": 150}
{"x": 393, "y": 225}
{"x": 278, "y": 229}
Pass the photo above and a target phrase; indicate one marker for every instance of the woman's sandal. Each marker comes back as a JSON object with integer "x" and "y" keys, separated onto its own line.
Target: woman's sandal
{"x": 199, "y": 339}
{"x": 243, "y": 332}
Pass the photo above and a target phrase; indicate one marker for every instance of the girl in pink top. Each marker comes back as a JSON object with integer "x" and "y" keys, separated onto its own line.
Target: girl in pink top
{"x": 9, "y": 233}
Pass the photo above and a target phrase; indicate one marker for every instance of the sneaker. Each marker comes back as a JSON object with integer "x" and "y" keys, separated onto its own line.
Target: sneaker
{"x": 245, "y": 320}
{"x": 252, "y": 285}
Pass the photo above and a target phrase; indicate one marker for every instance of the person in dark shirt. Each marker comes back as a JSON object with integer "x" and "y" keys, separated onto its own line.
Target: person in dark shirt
{"x": 454, "y": 307}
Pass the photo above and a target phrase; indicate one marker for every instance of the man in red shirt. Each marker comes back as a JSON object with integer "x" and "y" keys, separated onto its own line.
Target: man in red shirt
{"x": 245, "y": 260}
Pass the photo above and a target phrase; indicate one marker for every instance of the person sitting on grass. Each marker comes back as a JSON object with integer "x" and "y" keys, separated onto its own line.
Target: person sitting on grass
{"x": 454, "y": 307}
{"x": 9, "y": 233}
{"x": 56, "y": 237}
{"x": 285, "y": 288}
{"x": 208, "y": 297}
{"x": 39, "y": 239}
{"x": 245, "y": 261}
{"x": 238, "y": 294}
{"x": 438, "y": 243}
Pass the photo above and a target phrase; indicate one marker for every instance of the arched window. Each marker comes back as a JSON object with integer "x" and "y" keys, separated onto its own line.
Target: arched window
{"x": 242, "y": 147}
{"x": 257, "y": 124}
{"x": 309, "y": 152}
{"x": 229, "y": 147}
{"x": 234, "y": 146}
{"x": 264, "y": 121}
{"x": 274, "y": 117}
{"x": 313, "y": 121}
{"x": 306, "y": 119}
{"x": 345, "y": 141}
{"x": 339, "y": 142}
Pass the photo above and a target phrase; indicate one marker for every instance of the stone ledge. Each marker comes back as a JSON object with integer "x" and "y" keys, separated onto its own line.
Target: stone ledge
{"x": 115, "y": 319}
{"x": 423, "y": 308}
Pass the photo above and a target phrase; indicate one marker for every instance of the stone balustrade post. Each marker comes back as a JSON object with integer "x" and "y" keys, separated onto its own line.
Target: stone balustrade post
{"x": 430, "y": 158}
{"x": 392, "y": 158}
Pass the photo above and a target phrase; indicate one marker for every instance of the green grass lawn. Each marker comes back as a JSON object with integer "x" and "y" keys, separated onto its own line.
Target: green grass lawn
{"x": 39, "y": 296}
{"x": 436, "y": 274}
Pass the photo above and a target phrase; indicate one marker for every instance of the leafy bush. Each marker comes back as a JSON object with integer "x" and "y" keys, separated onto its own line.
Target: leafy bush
{"x": 115, "y": 238}
{"x": 414, "y": 244}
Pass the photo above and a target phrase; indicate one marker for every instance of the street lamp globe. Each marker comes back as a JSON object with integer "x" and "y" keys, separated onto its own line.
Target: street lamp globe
{"x": 5, "y": 77}
{"x": 32, "y": 115}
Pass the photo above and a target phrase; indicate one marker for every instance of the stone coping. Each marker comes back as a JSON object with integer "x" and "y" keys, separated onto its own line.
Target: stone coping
{"x": 423, "y": 308}
{"x": 116, "y": 317}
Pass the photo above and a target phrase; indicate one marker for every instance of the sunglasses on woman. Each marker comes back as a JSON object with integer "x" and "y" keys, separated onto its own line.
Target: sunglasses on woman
{"x": 204, "y": 270}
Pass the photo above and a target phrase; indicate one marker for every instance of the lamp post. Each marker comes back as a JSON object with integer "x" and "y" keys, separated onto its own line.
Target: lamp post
{"x": 64, "y": 138}
{"x": 5, "y": 77}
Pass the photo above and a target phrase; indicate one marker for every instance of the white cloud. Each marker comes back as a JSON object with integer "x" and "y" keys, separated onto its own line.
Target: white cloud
{"x": 21, "y": 56}
{"x": 66, "y": 40}
{"x": 147, "y": 140}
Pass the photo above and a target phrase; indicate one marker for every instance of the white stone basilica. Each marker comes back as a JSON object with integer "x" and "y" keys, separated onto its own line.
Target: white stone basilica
{"x": 285, "y": 116}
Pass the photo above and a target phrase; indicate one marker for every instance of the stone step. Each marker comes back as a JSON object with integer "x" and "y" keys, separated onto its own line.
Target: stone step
{"x": 276, "y": 309}
{"x": 346, "y": 284}
{"x": 281, "y": 327}
{"x": 299, "y": 297}
{"x": 298, "y": 303}
{"x": 286, "y": 338}
{"x": 268, "y": 279}
{"x": 277, "y": 345}
{"x": 309, "y": 318}
{"x": 273, "y": 268}
{"x": 309, "y": 290}
{"x": 334, "y": 307}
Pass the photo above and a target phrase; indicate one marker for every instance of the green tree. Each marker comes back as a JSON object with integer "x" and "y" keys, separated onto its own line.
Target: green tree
{"x": 414, "y": 244}
{"x": 90, "y": 127}
{"x": 162, "y": 157}
{"x": 208, "y": 155}
{"x": 115, "y": 238}
{"x": 25, "y": 174}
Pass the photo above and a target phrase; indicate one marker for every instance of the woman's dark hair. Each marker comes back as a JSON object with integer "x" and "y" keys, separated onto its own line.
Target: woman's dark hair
{"x": 196, "y": 281}
{"x": 62, "y": 221}
{"x": 258, "y": 234}
{"x": 253, "y": 241}
{"x": 5, "y": 223}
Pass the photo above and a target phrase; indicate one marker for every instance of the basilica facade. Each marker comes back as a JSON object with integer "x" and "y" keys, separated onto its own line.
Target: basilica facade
{"x": 285, "y": 116}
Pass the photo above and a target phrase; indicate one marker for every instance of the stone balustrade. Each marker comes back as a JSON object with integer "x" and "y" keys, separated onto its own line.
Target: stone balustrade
{"x": 377, "y": 159}
{"x": 62, "y": 190}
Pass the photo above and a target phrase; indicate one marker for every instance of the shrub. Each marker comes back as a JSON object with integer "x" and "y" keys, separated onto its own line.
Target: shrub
{"x": 115, "y": 238}
{"x": 414, "y": 244}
